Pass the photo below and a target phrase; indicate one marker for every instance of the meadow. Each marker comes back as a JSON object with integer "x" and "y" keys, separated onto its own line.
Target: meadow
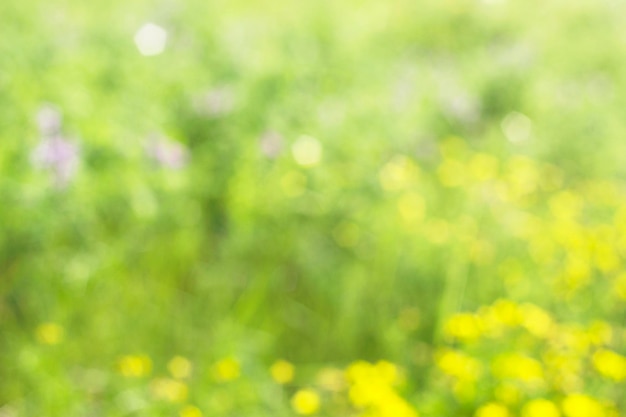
{"x": 341, "y": 209}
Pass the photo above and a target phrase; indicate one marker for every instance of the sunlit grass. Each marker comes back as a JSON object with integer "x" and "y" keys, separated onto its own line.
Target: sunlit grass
{"x": 331, "y": 208}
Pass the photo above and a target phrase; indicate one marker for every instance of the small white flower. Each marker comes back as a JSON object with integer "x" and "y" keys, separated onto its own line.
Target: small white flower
{"x": 150, "y": 39}
{"x": 307, "y": 151}
{"x": 517, "y": 127}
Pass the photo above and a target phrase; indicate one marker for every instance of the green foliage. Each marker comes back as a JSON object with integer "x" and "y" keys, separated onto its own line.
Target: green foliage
{"x": 323, "y": 182}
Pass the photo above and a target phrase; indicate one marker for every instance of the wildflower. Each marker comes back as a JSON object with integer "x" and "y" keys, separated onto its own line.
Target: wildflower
{"x": 536, "y": 320}
{"x": 540, "y": 408}
{"x": 282, "y": 371}
{"x": 307, "y": 151}
{"x": 581, "y": 405}
{"x": 519, "y": 367}
{"x": 398, "y": 173}
{"x": 134, "y": 366}
{"x": 463, "y": 326}
{"x": 169, "y": 390}
{"x": 215, "y": 103}
{"x": 306, "y": 402}
{"x": 190, "y": 411}
{"x": 49, "y": 333}
{"x": 58, "y": 155}
{"x": 610, "y": 364}
{"x": 458, "y": 365}
{"x": 387, "y": 372}
{"x": 492, "y": 410}
{"x": 227, "y": 369}
{"x": 49, "y": 120}
{"x": 507, "y": 312}
{"x": 331, "y": 379}
{"x": 179, "y": 367}
{"x": 271, "y": 144}
{"x": 150, "y": 39}
{"x": 517, "y": 127}
{"x": 167, "y": 153}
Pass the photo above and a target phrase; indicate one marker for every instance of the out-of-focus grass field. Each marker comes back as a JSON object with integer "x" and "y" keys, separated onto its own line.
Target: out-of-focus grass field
{"x": 333, "y": 208}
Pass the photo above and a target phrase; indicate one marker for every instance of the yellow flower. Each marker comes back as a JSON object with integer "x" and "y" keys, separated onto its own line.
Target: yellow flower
{"x": 565, "y": 205}
{"x": 540, "y": 408}
{"x": 610, "y": 364}
{"x": 227, "y": 369}
{"x": 179, "y": 367}
{"x": 134, "y": 366}
{"x": 492, "y": 410}
{"x": 463, "y": 326}
{"x": 49, "y": 333}
{"x": 600, "y": 333}
{"x": 190, "y": 411}
{"x": 536, "y": 320}
{"x": 458, "y": 365}
{"x": 169, "y": 390}
{"x": 387, "y": 372}
{"x": 581, "y": 405}
{"x": 398, "y": 173}
{"x": 331, "y": 379}
{"x": 519, "y": 367}
{"x": 306, "y": 402}
{"x": 483, "y": 167}
{"x": 359, "y": 370}
{"x": 282, "y": 371}
{"x": 507, "y": 312}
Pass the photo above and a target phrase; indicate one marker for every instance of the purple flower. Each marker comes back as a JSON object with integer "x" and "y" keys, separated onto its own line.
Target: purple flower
{"x": 215, "y": 103}
{"x": 167, "y": 153}
{"x": 58, "y": 155}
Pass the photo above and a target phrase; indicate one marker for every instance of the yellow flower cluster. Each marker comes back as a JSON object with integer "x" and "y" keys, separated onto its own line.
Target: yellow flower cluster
{"x": 549, "y": 356}
{"x": 494, "y": 320}
{"x": 372, "y": 389}
{"x": 174, "y": 389}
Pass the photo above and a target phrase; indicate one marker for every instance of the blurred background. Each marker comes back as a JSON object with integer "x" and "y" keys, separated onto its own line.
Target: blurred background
{"x": 356, "y": 208}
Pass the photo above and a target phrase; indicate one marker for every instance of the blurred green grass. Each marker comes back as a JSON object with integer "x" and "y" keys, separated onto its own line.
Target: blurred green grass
{"x": 456, "y": 137}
